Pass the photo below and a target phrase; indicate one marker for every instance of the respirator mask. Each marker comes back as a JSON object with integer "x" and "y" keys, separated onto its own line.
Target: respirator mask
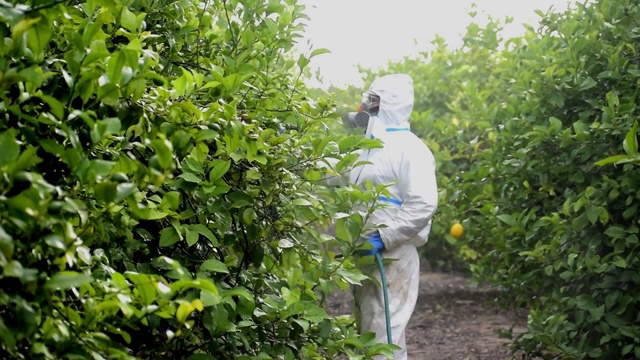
{"x": 369, "y": 107}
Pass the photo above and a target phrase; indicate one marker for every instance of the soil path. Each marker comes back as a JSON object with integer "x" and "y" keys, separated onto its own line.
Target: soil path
{"x": 453, "y": 320}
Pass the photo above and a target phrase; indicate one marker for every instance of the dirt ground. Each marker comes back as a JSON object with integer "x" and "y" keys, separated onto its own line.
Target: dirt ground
{"x": 453, "y": 320}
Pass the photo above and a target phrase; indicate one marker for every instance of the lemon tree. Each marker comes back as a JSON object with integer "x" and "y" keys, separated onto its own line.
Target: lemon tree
{"x": 158, "y": 185}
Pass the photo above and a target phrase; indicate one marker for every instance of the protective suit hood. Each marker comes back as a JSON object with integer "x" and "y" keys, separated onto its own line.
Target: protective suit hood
{"x": 396, "y": 104}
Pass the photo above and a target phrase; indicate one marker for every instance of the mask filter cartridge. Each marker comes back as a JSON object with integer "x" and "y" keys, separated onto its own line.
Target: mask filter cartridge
{"x": 358, "y": 119}
{"x": 368, "y": 107}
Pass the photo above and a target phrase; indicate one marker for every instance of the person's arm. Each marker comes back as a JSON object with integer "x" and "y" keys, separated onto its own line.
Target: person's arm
{"x": 419, "y": 191}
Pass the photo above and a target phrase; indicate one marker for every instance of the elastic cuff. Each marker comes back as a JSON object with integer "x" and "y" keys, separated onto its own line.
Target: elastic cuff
{"x": 386, "y": 240}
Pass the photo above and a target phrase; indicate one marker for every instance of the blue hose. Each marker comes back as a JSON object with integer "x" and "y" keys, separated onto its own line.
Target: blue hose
{"x": 385, "y": 292}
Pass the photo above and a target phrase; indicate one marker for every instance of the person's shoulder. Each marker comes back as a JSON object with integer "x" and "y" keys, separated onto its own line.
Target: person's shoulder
{"x": 414, "y": 141}
{"x": 410, "y": 144}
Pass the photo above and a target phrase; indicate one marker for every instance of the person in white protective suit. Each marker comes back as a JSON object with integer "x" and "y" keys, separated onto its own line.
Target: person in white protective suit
{"x": 407, "y": 163}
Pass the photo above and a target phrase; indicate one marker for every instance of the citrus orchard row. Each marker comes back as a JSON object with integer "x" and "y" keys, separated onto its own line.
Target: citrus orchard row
{"x": 536, "y": 143}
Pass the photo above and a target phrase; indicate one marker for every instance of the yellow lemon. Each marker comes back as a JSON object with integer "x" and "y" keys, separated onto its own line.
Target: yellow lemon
{"x": 457, "y": 230}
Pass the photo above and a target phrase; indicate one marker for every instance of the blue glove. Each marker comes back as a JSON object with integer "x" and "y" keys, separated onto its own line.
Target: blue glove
{"x": 376, "y": 241}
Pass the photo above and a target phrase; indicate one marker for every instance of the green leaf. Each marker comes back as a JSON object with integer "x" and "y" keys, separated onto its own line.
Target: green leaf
{"x": 219, "y": 169}
{"x": 232, "y": 83}
{"x": 204, "y": 231}
{"x": 172, "y": 199}
{"x": 106, "y": 191}
{"x": 102, "y": 168}
{"x": 597, "y": 312}
{"x": 248, "y": 215}
{"x": 164, "y": 151}
{"x": 353, "y": 277}
{"x": 595, "y": 353}
{"x": 630, "y": 331}
{"x": 123, "y": 190}
{"x": 615, "y": 232}
{"x": 614, "y": 320}
{"x": 301, "y": 202}
{"x": 168, "y": 236}
{"x": 303, "y": 61}
{"x": 603, "y": 215}
{"x": 104, "y": 128}
{"x": 201, "y": 357}
{"x": 190, "y": 177}
{"x": 38, "y": 38}
{"x": 620, "y": 262}
{"x": 192, "y": 237}
{"x": 128, "y": 20}
{"x": 349, "y": 143}
{"x": 630, "y": 143}
{"x": 450, "y": 239}
{"x": 145, "y": 285}
{"x": 67, "y": 280}
{"x": 6, "y": 245}
{"x": 21, "y": 24}
{"x": 342, "y": 230}
{"x": 26, "y": 160}
{"x": 557, "y": 99}
{"x": 630, "y": 212}
{"x": 144, "y": 213}
{"x": 238, "y": 292}
{"x": 585, "y": 302}
{"x": 193, "y": 166}
{"x": 210, "y": 84}
{"x": 303, "y": 324}
{"x": 240, "y": 199}
{"x": 7, "y": 337}
{"x": 184, "y": 310}
{"x": 115, "y": 66}
{"x": 9, "y": 148}
{"x": 56, "y": 107}
{"x": 353, "y": 341}
{"x": 555, "y": 125}
{"x": 507, "y": 219}
{"x": 612, "y": 160}
{"x": 201, "y": 284}
{"x": 317, "y": 52}
{"x": 592, "y": 214}
{"x": 273, "y": 8}
{"x": 214, "y": 265}
{"x": 588, "y": 83}
{"x": 580, "y": 222}
{"x": 180, "y": 85}
{"x": 208, "y": 298}
{"x": 315, "y": 313}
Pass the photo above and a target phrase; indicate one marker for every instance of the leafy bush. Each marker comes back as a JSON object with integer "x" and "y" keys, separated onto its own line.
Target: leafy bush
{"x": 158, "y": 189}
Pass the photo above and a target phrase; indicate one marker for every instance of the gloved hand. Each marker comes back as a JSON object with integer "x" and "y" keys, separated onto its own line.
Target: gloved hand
{"x": 376, "y": 241}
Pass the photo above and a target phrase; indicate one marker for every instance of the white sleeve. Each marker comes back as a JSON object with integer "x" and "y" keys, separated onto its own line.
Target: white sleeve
{"x": 419, "y": 191}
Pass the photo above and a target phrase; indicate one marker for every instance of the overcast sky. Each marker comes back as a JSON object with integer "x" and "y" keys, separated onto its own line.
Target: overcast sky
{"x": 372, "y": 32}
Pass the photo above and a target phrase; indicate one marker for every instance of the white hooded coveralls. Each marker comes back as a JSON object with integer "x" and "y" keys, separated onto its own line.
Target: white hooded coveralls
{"x": 407, "y": 163}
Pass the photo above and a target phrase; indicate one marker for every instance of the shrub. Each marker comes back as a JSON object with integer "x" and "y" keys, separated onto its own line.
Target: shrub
{"x": 158, "y": 189}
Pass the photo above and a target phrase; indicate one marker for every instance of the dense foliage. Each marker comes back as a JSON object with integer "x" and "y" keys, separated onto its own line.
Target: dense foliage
{"x": 159, "y": 187}
{"x": 158, "y": 196}
{"x": 536, "y": 141}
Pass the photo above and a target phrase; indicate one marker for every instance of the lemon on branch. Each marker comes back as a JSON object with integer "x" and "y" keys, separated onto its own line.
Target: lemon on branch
{"x": 457, "y": 230}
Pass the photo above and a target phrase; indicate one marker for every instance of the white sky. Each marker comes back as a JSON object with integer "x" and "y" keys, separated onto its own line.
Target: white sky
{"x": 372, "y": 32}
